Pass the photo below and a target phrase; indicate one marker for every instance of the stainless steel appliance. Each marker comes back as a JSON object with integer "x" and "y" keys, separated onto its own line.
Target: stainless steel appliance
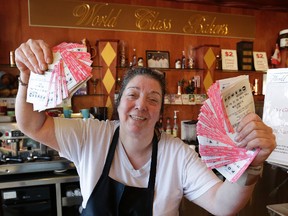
{"x": 31, "y": 176}
{"x": 28, "y": 201}
{"x": 20, "y": 154}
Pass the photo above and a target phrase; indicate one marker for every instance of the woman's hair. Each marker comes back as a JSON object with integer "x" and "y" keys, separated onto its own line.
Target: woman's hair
{"x": 142, "y": 71}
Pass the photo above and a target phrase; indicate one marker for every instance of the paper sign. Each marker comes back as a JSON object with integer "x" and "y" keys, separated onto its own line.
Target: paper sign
{"x": 275, "y": 112}
{"x": 229, "y": 59}
{"x": 260, "y": 61}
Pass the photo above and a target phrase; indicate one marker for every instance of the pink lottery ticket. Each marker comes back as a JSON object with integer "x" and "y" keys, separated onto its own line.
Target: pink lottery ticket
{"x": 71, "y": 66}
{"x": 215, "y": 130}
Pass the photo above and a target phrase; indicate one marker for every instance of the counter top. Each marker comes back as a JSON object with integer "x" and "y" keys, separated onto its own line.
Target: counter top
{"x": 279, "y": 209}
{"x": 29, "y": 167}
{"x": 39, "y": 178}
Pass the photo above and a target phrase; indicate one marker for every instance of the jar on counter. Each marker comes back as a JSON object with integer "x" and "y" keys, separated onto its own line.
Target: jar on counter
{"x": 283, "y": 39}
{"x": 178, "y": 64}
{"x": 140, "y": 62}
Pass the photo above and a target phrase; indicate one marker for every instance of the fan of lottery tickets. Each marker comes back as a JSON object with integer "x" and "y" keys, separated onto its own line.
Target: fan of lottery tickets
{"x": 229, "y": 101}
{"x": 71, "y": 68}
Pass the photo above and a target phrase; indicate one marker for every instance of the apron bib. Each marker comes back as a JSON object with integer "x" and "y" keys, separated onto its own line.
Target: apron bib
{"x": 110, "y": 197}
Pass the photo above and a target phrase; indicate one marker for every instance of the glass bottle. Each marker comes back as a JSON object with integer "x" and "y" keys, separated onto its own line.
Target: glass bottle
{"x": 175, "y": 126}
{"x": 134, "y": 58}
{"x": 168, "y": 126}
{"x": 160, "y": 125}
{"x": 218, "y": 65}
{"x": 183, "y": 60}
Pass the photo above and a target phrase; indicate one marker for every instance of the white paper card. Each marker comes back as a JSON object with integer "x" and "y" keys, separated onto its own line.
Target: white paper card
{"x": 260, "y": 61}
{"x": 229, "y": 59}
{"x": 275, "y": 113}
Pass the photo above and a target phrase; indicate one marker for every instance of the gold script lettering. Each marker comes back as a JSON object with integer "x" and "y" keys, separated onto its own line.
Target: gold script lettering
{"x": 199, "y": 24}
{"x": 91, "y": 15}
{"x": 148, "y": 20}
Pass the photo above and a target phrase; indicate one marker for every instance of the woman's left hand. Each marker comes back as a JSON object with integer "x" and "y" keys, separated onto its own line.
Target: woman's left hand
{"x": 253, "y": 133}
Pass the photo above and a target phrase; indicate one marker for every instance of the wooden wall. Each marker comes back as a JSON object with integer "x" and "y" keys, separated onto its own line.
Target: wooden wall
{"x": 15, "y": 29}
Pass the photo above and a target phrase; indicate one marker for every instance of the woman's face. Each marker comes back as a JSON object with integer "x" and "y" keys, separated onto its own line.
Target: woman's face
{"x": 140, "y": 105}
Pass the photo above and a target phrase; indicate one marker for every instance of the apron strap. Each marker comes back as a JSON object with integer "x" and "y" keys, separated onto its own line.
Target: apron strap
{"x": 152, "y": 177}
{"x": 111, "y": 151}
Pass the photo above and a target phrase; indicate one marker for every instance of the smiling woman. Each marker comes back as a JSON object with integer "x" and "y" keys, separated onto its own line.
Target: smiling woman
{"x": 127, "y": 167}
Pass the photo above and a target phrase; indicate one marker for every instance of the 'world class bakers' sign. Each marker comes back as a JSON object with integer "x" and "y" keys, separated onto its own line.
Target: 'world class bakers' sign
{"x": 123, "y": 17}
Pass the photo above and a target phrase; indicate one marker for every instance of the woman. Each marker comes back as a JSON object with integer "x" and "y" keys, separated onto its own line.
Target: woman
{"x": 125, "y": 167}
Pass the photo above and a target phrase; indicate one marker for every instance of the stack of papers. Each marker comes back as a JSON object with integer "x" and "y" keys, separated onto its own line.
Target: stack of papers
{"x": 71, "y": 68}
{"x": 229, "y": 101}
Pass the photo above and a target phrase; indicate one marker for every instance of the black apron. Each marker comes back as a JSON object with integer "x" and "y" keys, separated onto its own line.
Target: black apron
{"x": 110, "y": 197}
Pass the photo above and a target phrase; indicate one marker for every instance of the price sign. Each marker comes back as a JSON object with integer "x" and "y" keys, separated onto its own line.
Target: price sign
{"x": 260, "y": 61}
{"x": 229, "y": 59}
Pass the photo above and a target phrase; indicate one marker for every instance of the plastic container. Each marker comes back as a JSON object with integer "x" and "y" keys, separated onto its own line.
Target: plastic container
{"x": 283, "y": 39}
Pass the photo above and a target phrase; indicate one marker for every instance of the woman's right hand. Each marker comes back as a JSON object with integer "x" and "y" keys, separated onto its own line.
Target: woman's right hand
{"x": 34, "y": 55}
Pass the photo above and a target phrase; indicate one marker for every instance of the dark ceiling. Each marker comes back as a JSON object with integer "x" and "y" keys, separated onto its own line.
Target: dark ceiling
{"x": 274, "y": 5}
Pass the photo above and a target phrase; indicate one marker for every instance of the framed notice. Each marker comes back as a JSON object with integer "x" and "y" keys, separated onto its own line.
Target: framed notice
{"x": 229, "y": 59}
{"x": 275, "y": 112}
{"x": 260, "y": 61}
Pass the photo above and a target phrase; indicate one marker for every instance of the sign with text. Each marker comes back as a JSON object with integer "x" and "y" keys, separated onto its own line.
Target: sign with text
{"x": 260, "y": 61}
{"x": 275, "y": 112}
{"x": 229, "y": 59}
{"x": 122, "y": 17}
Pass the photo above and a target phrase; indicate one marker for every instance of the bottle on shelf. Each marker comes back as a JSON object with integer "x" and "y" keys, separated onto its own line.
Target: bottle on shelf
{"x": 168, "y": 126}
{"x": 175, "y": 126}
{"x": 178, "y": 64}
{"x": 122, "y": 53}
{"x": 179, "y": 88}
{"x": 180, "y": 85}
{"x": 134, "y": 58}
{"x": 218, "y": 65}
{"x": 140, "y": 62}
{"x": 191, "y": 63}
{"x": 12, "y": 59}
{"x": 183, "y": 60}
{"x": 160, "y": 124}
{"x": 190, "y": 57}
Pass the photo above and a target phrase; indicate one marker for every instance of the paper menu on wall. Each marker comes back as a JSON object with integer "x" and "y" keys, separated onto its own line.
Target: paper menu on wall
{"x": 229, "y": 101}
{"x": 275, "y": 112}
{"x": 70, "y": 69}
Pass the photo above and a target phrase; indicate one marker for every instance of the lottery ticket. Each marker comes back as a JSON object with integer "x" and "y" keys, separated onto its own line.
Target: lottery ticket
{"x": 229, "y": 101}
{"x": 70, "y": 69}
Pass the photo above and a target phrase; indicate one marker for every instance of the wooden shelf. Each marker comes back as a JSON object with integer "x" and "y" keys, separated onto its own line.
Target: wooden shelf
{"x": 239, "y": 71}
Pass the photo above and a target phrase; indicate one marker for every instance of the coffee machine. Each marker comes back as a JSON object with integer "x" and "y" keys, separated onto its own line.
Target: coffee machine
{"x": 21, "y": 154}
{"x": 16, "y": 147}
